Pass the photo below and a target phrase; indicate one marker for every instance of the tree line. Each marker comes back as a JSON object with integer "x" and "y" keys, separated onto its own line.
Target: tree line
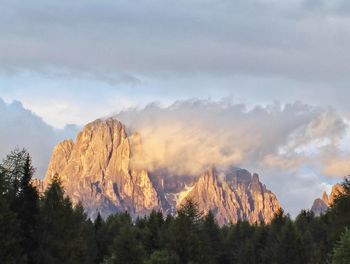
{"x": 48, "y": 229}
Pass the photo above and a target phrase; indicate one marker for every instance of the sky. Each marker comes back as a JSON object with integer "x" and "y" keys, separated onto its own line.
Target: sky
{"x": 277, "y": 69}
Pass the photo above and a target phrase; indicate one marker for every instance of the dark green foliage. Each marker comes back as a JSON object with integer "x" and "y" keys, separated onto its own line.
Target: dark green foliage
{"x": 99, "y": 236}
{"x": 211, "y": 240}
{"x": 27, "y": 208}
{"x": 20, "y": 205}
{"x": 341, "y": 253}
{"x": 184, "y": 235}
{"x": 65, "y": 236}
{"x": 10, "y": 247}
{"x": 50, "y": 230}
{"x": 127, "y": 247}
{"x": 163, "y": 257}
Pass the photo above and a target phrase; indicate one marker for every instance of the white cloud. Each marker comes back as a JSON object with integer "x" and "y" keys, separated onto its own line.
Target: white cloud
{"x": 191, "y": 135}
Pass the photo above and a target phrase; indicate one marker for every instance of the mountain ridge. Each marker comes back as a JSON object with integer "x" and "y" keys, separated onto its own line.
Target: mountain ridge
{"x": 104, "y": 170}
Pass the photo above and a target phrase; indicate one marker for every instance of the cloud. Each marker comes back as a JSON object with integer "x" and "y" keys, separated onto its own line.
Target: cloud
{"x": 257, "y": 50}
{"x": 337, "y": 167}
{"x": 291, "y": 146}
{"x": 23, "y": 129}
{"x": 275, "y": 161}
{"x": 108, "y": 40}
{"x": 58, "y": 104}
{"x": 191, "y": 135}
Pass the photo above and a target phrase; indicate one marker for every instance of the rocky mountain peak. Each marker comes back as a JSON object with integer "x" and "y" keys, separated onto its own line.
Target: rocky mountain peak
{"x": 97, "y": 170}
{"x": 237, "y": 196}
{"x": 320, "y": 206}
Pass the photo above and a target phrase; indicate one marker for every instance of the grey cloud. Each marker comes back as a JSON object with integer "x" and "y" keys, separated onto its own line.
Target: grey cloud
{"x": 23, "y": 129}
{"x": 328, "y": 8}
{"x": 152, "y": 38}
{"x": 233, "y": 133}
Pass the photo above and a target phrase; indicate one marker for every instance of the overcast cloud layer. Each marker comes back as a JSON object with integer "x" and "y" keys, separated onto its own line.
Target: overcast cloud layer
{"x": 130, "y": 41}
{"x": 128, "y": 53}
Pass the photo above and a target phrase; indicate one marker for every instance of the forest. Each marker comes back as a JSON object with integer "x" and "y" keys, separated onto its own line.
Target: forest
{"x": 48, "y": 229}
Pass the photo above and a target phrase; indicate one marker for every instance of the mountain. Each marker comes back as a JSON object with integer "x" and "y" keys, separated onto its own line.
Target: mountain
{"x": 104, "y": 170}
{"x": 234, "y": 195}
{"x": 321, "y": 205}
{"x": 98, "y": 170}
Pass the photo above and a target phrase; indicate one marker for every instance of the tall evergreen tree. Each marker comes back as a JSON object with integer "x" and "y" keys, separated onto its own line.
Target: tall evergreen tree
{"x": 185, "y": 233}
{"x": 151, "y": 227}
{"x": 290, "y": 249}
{"x": 341, "y": 253}
{"x": 27, "y": 208}
{"x": 101, "y": 250}
{"x": 23, "y": 200}
{"x": 10, "y": 247}
{"x": 212, "y": 245}
{"x": 127, "y": 249}
{"x": 62, "y": 239}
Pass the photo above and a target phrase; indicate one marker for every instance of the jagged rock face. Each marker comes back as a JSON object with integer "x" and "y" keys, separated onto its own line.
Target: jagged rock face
{"x": 232, "y": 196}
{"x": 99, "y": 171}
{"x": 337, "y": 190}
{"x": 103, "y": 170}
{"x": 320, "y": 206}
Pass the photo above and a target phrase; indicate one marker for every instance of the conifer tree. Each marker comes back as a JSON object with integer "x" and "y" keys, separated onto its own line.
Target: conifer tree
{"x": 62, "y": 238}
{"x": 211, "y": 240}
{"x": 185, "y": 232}
{"x": 10, "y": 247}
{"x": 127, "y": 249}
{"x": 27, "y": 208}
{"x": 101, "y": 249}
{"x": 341, "y": 253}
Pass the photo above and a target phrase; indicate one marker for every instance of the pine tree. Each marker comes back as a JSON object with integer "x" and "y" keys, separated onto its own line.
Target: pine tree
{"x": 341, "y": 253}
{"x": 189, "y": 211}
{"x": 62, "y": 237}
{"x": 292, "y": 249}
{"x": 101, "y": 249}
{"x": 211, "y": 240}
{"x": 127, "y": 249}
{"x": 22, "y": 199}
{"x": 184, "y": 234}
{"x": 151, "y": 228}
{"x": 28, "y": 211}
{"x": 10, "y": 247}
{"x": 238, "y": 242}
